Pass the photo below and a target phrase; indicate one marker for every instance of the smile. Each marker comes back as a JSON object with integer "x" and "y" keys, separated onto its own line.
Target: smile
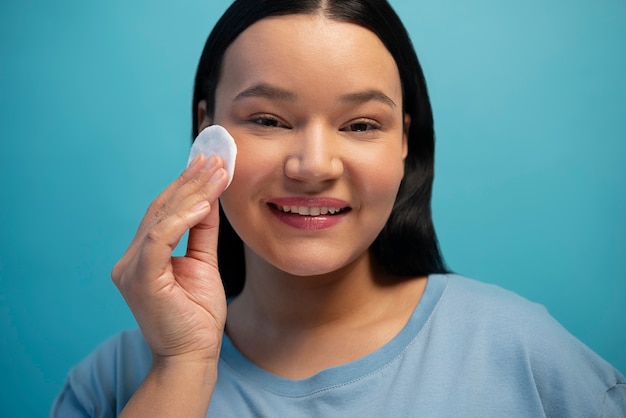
{"x": 310, "y": 211}
{"x": 309, "y": 214}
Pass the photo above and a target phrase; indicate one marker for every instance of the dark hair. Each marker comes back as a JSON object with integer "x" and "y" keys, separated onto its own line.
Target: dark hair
{"x": 407, "y": 245}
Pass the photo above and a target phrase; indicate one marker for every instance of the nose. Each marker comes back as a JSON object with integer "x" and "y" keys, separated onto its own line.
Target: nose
{"x": 315, "y": 156}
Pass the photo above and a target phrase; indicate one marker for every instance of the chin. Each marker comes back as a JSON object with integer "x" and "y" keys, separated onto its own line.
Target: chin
{"x": 306, "y": 260}
{"x": 322, "y": 266}
{"x": 308, "y": 271}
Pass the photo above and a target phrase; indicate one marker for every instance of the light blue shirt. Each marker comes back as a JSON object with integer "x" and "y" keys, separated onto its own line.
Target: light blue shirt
{"x": 469, "y": 350}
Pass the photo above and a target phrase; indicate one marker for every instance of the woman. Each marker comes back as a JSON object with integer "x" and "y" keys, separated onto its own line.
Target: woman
{"x": 338, "y": 302}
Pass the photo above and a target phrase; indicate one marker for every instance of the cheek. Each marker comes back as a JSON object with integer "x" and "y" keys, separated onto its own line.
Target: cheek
{"x": 381, "y": 175}
{"x": 255, "y": 162}
{"x": 240, "y": 186}
{"x": 254, "y": 170}
{"x": 383, "y": 190}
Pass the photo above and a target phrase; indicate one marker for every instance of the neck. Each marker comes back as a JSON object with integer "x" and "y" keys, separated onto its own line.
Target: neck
{"x": 290, "y": 301}
{"x": 295, "y": 326}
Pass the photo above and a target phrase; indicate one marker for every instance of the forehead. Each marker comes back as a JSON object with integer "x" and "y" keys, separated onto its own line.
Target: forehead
{"x": 310, "y": 49}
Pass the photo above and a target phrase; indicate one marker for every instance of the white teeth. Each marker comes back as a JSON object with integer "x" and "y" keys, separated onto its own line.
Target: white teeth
{"x": 309, "y": 211}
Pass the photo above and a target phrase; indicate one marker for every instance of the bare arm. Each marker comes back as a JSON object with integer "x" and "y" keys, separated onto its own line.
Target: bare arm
{"x": 183, "y": 389}
{"x": 178, "y": 302}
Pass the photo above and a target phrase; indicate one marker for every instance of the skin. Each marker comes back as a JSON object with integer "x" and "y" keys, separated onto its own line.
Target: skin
{"x": 315, "y": 107}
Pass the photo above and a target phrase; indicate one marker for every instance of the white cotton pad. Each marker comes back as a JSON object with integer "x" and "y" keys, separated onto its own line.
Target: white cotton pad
{"x": 216, "y": 140}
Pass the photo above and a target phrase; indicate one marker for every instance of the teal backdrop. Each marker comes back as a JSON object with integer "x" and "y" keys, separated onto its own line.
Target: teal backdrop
{"x": 530, "y": 108}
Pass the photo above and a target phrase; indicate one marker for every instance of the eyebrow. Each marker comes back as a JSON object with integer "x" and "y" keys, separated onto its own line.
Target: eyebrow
{"x": 267, "y": 91}
{"x": 271, "y": 92}
{"x": 367, "y": 96}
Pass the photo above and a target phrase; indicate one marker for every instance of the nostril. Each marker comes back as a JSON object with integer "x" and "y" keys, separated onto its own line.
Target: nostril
{"x": 313, "y": 169}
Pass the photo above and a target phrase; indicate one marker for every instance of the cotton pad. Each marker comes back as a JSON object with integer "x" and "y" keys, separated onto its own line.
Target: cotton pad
{"x": 215, "y": 140}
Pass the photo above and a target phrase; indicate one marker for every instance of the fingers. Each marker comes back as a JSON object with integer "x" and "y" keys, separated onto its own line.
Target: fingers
{"x": 188, "y": 205}
{"x": 191, "y": 180}
{"x": 194, "y": 167}
{"x": 182, "y": 205}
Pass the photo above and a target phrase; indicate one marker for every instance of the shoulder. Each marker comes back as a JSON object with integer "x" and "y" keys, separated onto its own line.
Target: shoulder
{"x": 521, "y": 338}
{"x": 505, "y": 316}
{"x": 103, "y": 381}
{"x": 487, "y": 307}
{"x": 470, "y": 292}
{"x": 126, "y": 351}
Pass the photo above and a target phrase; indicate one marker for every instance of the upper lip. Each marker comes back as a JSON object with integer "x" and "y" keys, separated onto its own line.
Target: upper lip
{"x": 309, "y": 206}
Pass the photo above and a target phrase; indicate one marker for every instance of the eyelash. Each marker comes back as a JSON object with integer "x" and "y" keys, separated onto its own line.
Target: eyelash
{"x": 368, "y": 123}
{"x": 263, "y": 120}
{"x": 272, "y": 122}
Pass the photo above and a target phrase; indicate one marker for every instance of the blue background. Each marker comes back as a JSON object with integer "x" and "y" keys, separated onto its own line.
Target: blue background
{"x": 530, "y": 107}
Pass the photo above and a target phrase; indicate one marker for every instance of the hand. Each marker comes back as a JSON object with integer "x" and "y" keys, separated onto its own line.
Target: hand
{"x": 179, "y": 302}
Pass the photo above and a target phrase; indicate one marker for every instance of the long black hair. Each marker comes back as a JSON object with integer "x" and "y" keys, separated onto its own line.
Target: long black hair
{"x": 407, "y": 246}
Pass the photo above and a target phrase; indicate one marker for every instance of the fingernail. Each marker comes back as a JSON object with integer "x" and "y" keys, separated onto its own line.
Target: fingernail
{"x": 210, "y": 163}
{"x": 196, "y": 160}
{"x": 217, "y": 176}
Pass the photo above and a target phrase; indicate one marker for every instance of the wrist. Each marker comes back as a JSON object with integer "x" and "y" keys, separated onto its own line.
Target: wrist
{"x": 175, "y": 386}
{"x": 196, "y": 366}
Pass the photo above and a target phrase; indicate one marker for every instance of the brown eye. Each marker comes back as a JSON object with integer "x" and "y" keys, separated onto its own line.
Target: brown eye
{"x": 272, "y": 123}
{"x": 360, "y": 127}
{"x": 267, "y": 121}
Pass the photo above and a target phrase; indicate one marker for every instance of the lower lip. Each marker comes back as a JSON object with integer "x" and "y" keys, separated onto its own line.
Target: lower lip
{"x": 308, "y": 223}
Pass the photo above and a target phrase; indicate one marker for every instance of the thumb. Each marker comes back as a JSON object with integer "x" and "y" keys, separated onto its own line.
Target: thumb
{"x": 202, "y": 240}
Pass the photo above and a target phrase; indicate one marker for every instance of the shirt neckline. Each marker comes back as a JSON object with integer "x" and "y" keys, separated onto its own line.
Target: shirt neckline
{"x": 343, "y": 374}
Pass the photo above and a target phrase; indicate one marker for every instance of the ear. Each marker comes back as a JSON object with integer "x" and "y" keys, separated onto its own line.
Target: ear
{"x": 203, "y": 118}
{"x": 405, "y": 135}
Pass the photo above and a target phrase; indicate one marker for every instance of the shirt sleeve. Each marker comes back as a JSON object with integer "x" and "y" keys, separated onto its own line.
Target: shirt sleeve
{"x": 102, "y": 383}
{"x": 614, "y": 405}
{"x": 67, "y": 405}
{"x": 572, "y": 379}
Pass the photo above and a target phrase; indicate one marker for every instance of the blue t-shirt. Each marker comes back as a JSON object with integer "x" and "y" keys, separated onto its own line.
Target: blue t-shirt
{"x": 468, "y": 350}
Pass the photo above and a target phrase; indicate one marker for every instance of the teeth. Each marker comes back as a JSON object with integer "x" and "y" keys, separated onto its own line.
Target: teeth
{"x": 308, "y": 211}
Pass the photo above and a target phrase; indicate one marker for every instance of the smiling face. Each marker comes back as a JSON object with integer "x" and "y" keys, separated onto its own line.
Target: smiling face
{"x": 315, "y": 107}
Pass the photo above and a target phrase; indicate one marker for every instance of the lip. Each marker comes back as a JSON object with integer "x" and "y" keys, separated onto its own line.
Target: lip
{"x": 326, "y": 212}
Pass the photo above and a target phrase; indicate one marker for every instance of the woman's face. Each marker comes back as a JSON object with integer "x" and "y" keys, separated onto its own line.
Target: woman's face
{"x": 315, "y": 107}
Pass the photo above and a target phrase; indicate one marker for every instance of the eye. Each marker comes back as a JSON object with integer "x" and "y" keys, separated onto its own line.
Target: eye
{"x": 361, "y": 126}
{"x": 268, "y": 121}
